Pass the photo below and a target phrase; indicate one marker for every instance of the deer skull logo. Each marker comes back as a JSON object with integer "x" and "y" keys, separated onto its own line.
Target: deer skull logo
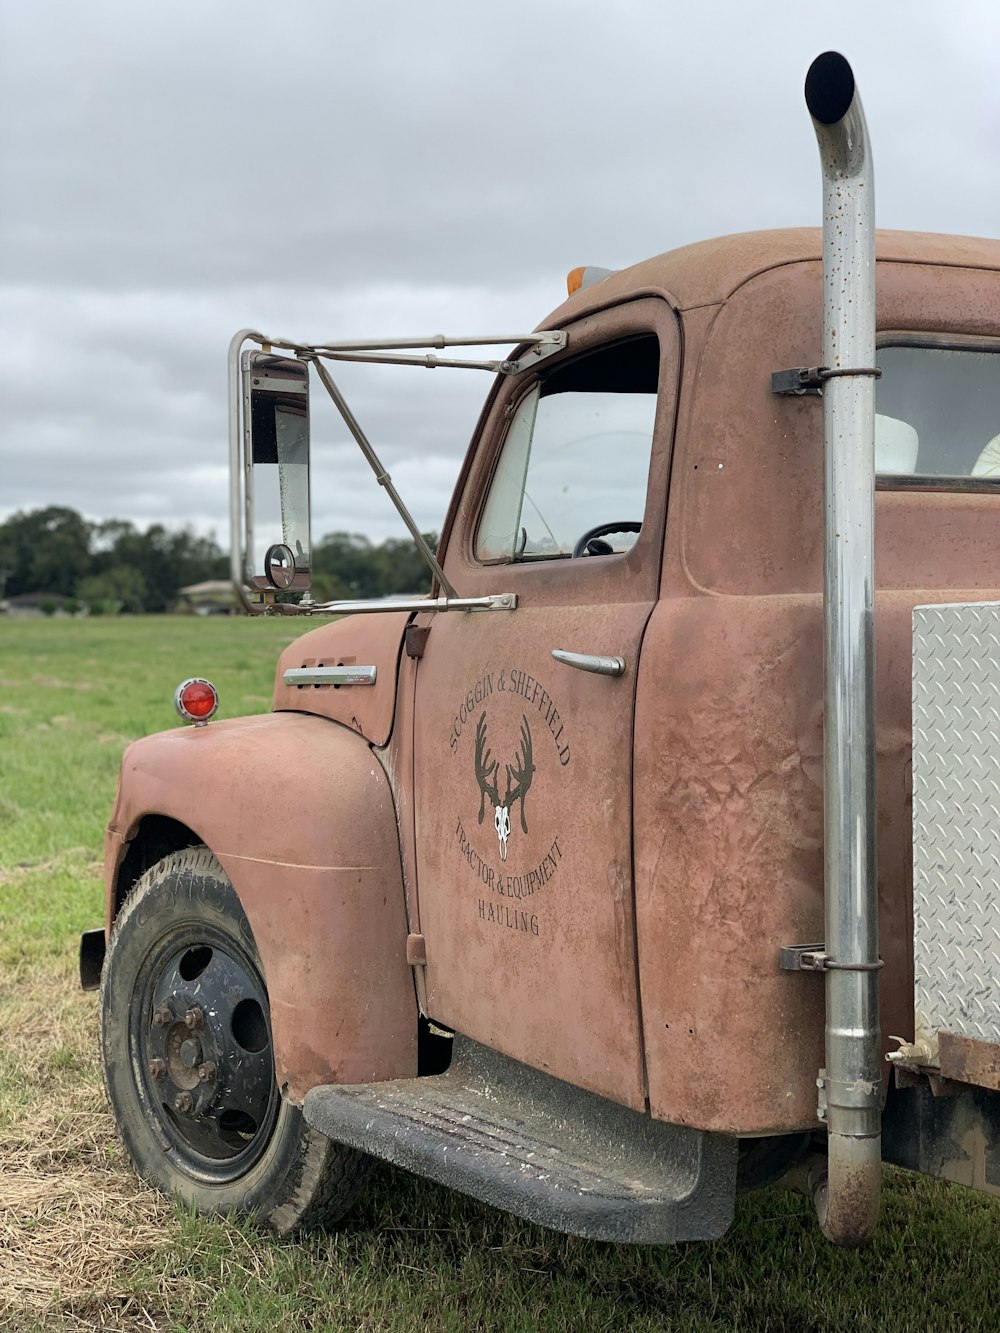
{"x": 518, "y": 781}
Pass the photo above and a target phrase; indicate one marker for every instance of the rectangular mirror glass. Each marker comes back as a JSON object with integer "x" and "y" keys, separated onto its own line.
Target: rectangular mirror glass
{"x": 276, "y": 469}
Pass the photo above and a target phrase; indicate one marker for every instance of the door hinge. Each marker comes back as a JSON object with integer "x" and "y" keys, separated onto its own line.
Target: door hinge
{"x": 416, "y": 951}
{"x": 415, "y": 639}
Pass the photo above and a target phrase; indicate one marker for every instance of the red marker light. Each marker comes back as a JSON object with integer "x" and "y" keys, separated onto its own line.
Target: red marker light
{"x": 196, "y": 700}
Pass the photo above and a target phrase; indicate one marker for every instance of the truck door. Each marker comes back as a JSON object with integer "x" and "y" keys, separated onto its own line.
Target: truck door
{"x": 523, "y": 761}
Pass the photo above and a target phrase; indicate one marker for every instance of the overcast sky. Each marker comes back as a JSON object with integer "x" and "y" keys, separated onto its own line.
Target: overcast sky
{"x": 326, "y": 170}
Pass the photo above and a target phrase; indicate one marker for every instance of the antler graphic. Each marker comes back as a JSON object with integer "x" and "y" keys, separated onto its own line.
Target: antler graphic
{"x": 521, "y": 771}
{"x": 518, "y": 780}
{"x": 486, "y": 770}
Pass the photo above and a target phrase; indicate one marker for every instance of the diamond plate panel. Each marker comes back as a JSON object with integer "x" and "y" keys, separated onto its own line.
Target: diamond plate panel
{"x": 956, "y": 820}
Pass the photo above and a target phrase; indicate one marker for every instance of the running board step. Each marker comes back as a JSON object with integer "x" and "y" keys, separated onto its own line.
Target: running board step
{"x": 540, "y": 1148}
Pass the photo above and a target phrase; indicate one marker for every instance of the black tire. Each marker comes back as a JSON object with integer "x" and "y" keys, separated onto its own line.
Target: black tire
{"x": 188, "y": 1063}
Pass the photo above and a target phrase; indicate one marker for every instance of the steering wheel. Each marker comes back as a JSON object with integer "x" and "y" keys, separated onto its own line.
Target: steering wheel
{"x": 601, "y": 530}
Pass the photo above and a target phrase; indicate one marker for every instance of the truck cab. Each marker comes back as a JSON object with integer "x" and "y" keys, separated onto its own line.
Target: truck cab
{"x": 519, "y": 886}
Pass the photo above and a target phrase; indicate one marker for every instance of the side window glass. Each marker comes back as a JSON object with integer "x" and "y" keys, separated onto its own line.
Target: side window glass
{"x": 575, "y": 459}
{"x": 938, "y": 413}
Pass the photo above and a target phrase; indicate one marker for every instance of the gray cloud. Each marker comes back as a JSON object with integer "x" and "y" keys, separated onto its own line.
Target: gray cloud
{"x": 328, "y": 171}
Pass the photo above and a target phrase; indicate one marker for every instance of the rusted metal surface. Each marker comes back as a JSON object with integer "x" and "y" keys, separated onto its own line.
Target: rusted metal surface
{"x": 969, "y": 1060}
{"x": 709, "y": 272}
{"x": 526, "y": 902}
{"x": 730, "y": 393}
{"x": 396, "y": 760}
{"x": 944, "y": 1087}
{"x": 356, "y": 640}
{"x": 323, "y": 893}
{"x": 115, "y": 848}
{"x": 728, "y": 728}
{"x": 728, "y": 788}
{"x": 752, "y": 472}
{"x": 729, "y": 853}
{"x": 529, "y": 929}
{"x": 953, "y": 1134}
{"x": 723, "y": 617}
{"x": 847, "y": 1201}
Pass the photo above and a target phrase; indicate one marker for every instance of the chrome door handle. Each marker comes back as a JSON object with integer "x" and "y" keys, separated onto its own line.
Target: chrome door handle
{"x": 600, "y": 666}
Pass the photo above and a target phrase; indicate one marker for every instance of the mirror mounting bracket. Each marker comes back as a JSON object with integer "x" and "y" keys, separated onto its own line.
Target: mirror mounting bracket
{"x": 537, "y": 346}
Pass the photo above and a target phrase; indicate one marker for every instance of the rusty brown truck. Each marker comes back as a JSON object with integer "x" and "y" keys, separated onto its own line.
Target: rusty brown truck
{"x": 654, "y": 854}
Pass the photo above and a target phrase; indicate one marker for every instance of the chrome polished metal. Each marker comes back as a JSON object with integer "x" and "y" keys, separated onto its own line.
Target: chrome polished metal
{"x": 538, "y": 346}
{"x": 330, "y": 675}
{"x": 852, "y": 1082}
{"x": 239, "y": 498}
{"x": 498, "y": 601}
{"x": 600, "y": 666}
{"x": 383, "y": 351}
{"x": 956, "y": 829}
{"x": 182, "y": 711}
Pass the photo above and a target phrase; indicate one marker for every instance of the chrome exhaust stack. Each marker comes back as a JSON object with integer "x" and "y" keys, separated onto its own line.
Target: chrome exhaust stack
{"x": 847, "y": 1201}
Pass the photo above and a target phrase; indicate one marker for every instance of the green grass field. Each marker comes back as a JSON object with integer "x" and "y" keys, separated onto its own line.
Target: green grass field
{"x": 84, "y": 1246}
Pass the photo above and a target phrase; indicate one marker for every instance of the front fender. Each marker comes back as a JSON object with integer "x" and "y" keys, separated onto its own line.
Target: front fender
{"x": 299, "y": 814}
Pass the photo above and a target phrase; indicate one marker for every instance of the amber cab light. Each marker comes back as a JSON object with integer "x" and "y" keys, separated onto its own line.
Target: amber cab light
{"x": 196, "y": 700}
{"x": 586, "y": 276}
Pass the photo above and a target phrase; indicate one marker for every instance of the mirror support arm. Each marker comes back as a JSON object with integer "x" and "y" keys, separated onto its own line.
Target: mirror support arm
{"x": 381, "y": 476}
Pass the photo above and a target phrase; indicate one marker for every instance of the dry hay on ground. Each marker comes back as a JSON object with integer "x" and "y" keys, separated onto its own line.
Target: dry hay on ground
{"x": 75, "y": 1223}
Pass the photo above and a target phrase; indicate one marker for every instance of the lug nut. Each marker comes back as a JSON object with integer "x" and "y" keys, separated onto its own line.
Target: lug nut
{"x": 194, "y": 1019}
{"x": 206, "y": 1072}
{"x": 157, "y": 1068}
{"x": 163, "y": 1016}
{"x": 183, "y": 1101}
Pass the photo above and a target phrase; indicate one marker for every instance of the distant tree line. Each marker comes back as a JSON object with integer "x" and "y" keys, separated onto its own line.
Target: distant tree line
{"x": 346, "y": 564}
{"x": 110, "y": 566}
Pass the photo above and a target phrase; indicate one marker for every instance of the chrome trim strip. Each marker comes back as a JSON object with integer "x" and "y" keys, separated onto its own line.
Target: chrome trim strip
{"x": 238, "y": 500}
{"x": 498, "y": 601}
{"x": 330, "y": 675}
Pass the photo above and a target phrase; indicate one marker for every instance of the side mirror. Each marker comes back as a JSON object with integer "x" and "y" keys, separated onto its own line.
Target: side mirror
{"x": 275, "y": 454}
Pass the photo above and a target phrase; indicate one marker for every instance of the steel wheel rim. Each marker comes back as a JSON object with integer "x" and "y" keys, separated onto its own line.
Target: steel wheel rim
{"x": 200, "y": 1050}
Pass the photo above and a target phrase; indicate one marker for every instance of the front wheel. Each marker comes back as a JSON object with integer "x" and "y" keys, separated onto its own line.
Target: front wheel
{"x": 188, "y": 1062}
